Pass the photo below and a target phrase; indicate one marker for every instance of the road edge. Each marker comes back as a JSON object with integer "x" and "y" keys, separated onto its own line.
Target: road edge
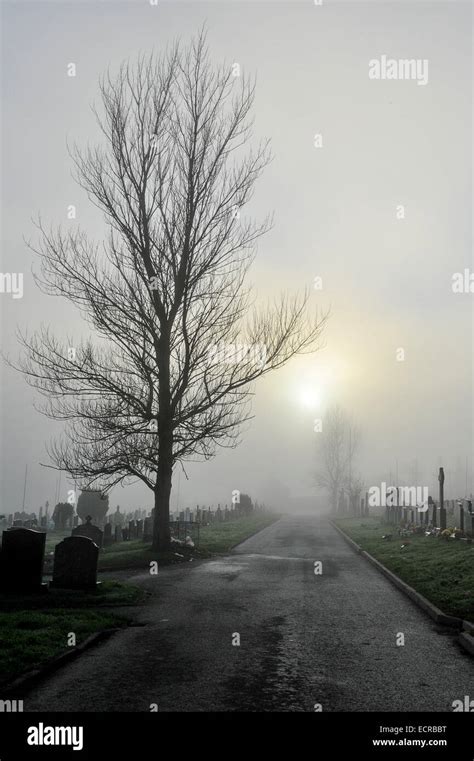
{"x": 466, "y": 628}
{"x": 30, "y": 678}
{"x": 255, "y": 533}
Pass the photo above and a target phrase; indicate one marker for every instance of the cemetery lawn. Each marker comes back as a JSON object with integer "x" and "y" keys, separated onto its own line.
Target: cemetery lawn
{"x": 34, "y": 629}
{"x": 442, "y": 571}
{"x": 217, "y": 538}
{"x": 222, "y": 537}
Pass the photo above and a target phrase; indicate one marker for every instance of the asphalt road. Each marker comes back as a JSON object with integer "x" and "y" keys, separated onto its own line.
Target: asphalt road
{"x": 305, "y": 639}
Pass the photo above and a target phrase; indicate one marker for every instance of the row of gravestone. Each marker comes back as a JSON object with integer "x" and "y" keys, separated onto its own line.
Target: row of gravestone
{"x": 140, "y": 529}
{"x": 22, "y": 558}
{"x": 434, "y": 515}
{"x": 75, "y": 557}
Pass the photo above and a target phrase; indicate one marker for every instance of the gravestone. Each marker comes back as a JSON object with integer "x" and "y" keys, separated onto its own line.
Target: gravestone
{"x": 18, "y": 524}
{"x": 140, "y": 529}
{"x": 442, "y": 518}
{"x": 125, "y": 535}
{"x": 432, "y": 512}
{"x": 118, "y": 534}
{"x": 75, "y": 563}
{"x": 469, "y": 525}
{"x": 107, "y": 534}
{"x": 90, "y": 531}
{"x": 442, "y": 509}
{"x": 459, "y": 515}
{"x": 148, "y": 530}
{"x": 132, "y": 530}
{"x": 118, "y": 518}
{"x": 21, "y": 561}
{"x": 469, "y": 520}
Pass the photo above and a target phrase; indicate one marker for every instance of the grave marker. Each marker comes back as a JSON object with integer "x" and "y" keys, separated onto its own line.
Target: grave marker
{"x": 90, "y": 531}
{"x": 21, "y": 561}
{"x": 75, "y": 563}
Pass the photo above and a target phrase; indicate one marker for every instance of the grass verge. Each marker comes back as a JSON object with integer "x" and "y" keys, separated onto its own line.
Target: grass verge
{"x": 442, "y": 571}
{"x": 221, "y": 537}
{"x": 35, "y": 629}
{"x": 216, "y": 538}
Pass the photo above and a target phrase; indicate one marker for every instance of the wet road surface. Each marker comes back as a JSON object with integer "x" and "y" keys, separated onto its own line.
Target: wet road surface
{"x": 305, "y": 639}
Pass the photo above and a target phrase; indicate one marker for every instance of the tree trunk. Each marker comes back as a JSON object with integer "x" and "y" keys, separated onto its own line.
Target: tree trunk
{"x": 161, "y": 522}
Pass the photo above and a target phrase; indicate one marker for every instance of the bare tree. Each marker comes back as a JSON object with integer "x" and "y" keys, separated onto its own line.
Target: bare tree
{"x": 354, "y": 487}
{"x": 338, "y": 443}
{"x": 180, "y": 339}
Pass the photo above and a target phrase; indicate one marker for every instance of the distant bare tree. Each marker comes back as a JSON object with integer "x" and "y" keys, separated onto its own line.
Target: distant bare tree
{"x": 338, "y": 443}
{"x": 180, "y": 340}
{"x": 354, "y": 487}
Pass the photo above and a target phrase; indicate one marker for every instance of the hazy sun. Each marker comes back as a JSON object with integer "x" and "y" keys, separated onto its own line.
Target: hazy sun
{"x": 309, "y": 397}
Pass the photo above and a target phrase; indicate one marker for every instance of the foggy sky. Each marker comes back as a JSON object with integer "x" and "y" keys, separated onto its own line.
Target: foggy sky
{"x": 387, "y": 281}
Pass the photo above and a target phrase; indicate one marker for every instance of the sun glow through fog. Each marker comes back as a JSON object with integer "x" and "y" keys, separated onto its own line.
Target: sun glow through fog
{"x": 310, "y": 397}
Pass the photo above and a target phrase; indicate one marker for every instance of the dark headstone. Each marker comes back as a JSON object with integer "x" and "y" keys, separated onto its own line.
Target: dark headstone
{"x": 118, "y": 534}
{"x": 90, "y": 531}
{"x": 442, "y": 518}
{"x": 132, "y": 530}
{"x": 75, "y": 563}
{"x": 21, "y": 561}
{"x": 107, "y": 534}
{"x": 125, "y": 534}
{"x": 148, "y": 530}
{"x": 469, "y": 524}
{"x": 442, "y": 509}
{"x": 140, "y": 529}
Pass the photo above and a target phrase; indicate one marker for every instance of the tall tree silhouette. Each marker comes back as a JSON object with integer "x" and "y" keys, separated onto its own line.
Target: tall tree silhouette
{"x": 166, "y": 290}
